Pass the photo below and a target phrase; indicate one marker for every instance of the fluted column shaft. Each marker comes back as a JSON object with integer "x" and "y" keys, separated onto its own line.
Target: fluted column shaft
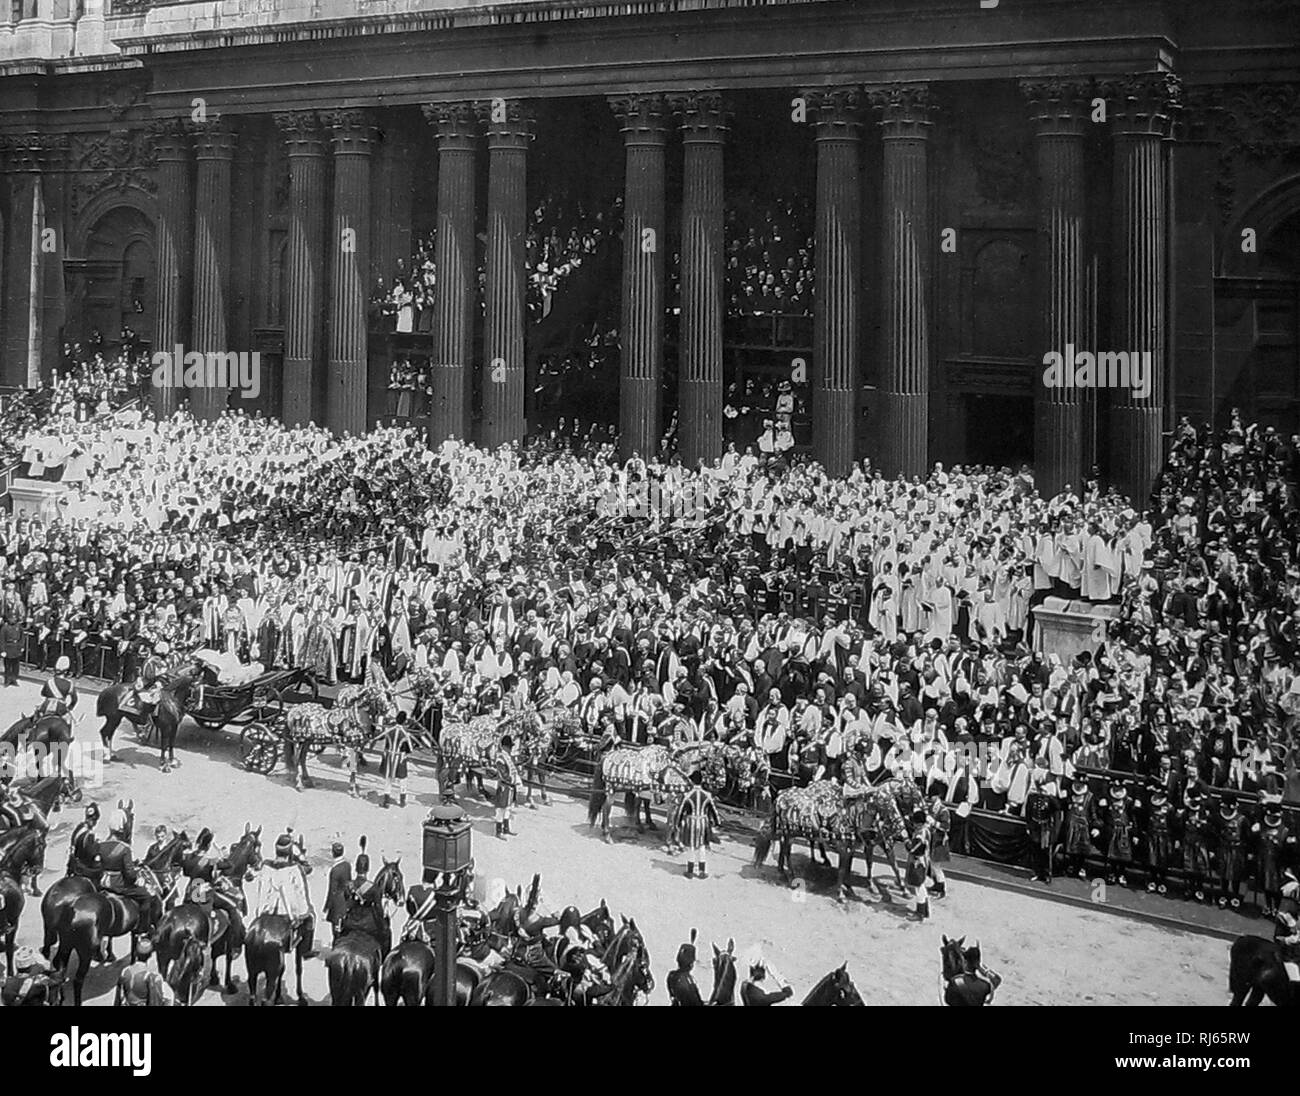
{"x": 1059, "y": 109}
{"x": 351, "y": 136}
{"x": 642, "y": 331}
{"x": 703, "y": 261}
{"x": 305, "y": 265}
{"x": 171, "y": 144}
{"x": 905, "y": 130}
{"x": 837, "y": 274}
{"x": 508, "y": 134}
{"x": 214, "y": 146}
{"x": 23, "y": 263}
{"x": 455, "y": 289}
{"x": 1141, "y": 112}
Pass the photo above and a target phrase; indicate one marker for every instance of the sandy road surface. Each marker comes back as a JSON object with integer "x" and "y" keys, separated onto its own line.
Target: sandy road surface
{"x": 1047, "y": 953}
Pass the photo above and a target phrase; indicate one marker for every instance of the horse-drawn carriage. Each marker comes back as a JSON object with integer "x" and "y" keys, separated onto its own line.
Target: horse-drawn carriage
{"x": 245, "y": 695}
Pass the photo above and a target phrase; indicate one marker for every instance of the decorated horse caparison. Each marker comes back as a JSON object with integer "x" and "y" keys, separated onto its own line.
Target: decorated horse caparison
{"x": 820, "y": 815}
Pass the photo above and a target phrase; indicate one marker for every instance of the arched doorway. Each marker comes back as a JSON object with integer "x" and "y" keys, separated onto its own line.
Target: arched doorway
{"x": 1257, "y": 301}
{"x": 114, "y": 289}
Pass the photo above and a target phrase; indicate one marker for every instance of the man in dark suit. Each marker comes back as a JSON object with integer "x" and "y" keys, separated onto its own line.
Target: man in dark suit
{"x": 340, "y": 882}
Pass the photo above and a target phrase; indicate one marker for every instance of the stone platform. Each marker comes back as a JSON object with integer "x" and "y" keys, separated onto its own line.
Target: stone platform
{"x": 1066, "y": 627}
{"x": 36, "y": 498}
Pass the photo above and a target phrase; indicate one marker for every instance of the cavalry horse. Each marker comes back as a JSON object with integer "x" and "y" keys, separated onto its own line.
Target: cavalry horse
{"x": 355, "y": 961}
{"x": 61, "y": 895}
{"x": 88, "y": 927}
{"x": 836, "y": 988}
{"x": 628, "y": 960}
{"x": 965, "y": 981}
{"x": 819, "y": 814}
{"x": 175, "y": 695}
{"x": 220, "y": 930}
{"x": 46, "y": 795}
{"x": 1256, "y": 970}
{"x": 51, "y": 735}
{"x": 351, "y": 722}
{"x": 724, "y": 975}
{"x": 22, "y": 851}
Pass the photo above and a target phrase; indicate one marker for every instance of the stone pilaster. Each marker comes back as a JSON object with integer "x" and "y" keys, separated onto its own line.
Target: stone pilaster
{"x": 454, "y": 256}
{"x": 645, "y": 135}
{"x": 838, "y": 273}
{"x": 351, "y": 137}
{"x": 214, "y": 148}
{"x": 172, "y": 152}
{"x": 1059, "y": 111}
{"x": 1141, "y": 110}
{"x": 906, "y": 121}
{"x": 507, "y": 216}
{"x": 305, "y": 264}
{"x": 699, "y": 392}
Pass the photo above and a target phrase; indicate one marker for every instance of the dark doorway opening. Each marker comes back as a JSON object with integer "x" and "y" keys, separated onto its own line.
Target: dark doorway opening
{"x": 999, "y": 430}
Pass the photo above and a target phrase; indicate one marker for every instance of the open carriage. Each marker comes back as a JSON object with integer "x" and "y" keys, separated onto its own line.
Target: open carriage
{"x": 243, "y": 695}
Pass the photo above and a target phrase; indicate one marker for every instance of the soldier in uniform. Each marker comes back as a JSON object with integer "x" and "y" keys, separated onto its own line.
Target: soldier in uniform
{"x": 1118, "y": 814}
{"x": 1229, "y": 829}
{"x": 918, "y": 864}
{"x": 1159, "y": 838}
{"x": 1286, "y": 924}
{"x": 1081, "y": 827}
{"x": 121, "y": 872}
{"x": 682, "y": 989}
{"x": 1273, "y": 843}
{"x": 59, "y": 693}
{"x": 83, "y": 849}
{"x": 698, "y": 815}
{"x": 1043, "y": 819}
{"x": 149, "y": 687}
{"x": 1195, "y": 822}
{"x": 507, "y": 782}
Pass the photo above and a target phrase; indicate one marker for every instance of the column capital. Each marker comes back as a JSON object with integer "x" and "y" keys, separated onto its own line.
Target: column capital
{"x": 507, "y": 122}
{"x": 907, "y": 110}
{"x": 644, "y": 118}
{"x": 836, "y": 112}
{"x": 704, "y": 115}
{"x": 303, "y": 134}
{"x": 214, "y": 140}
{"x": 30, "y": 153}
{"x": 351, "y": 130}
{"x": 455, "y": 123}
{"x": 1059, "y": 106}
{"x": 1143, "y": 104}
{"x": 170, "y": 138}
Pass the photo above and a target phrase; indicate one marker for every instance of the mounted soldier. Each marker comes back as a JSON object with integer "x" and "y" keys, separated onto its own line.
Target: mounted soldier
{"x": 121, "y": 875}
{"x": 59, "y": 693}
{"x": 682, "y": 989}
{"x": 83, "y": 849}
{"x": 280, "y": 887}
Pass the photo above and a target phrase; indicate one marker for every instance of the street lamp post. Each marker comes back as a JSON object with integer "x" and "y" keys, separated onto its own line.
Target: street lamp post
{"x": 448, "y": 868}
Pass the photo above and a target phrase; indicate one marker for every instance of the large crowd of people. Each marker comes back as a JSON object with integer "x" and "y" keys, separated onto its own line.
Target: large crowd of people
{"x": 756, "y": 601}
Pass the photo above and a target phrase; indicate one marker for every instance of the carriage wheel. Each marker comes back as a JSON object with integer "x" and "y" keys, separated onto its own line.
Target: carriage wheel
{"x": 260, "y": 749}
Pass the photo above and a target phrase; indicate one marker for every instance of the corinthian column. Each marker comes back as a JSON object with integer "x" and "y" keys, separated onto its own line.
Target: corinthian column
{"x": 699, "y": 387}
{"x": 214, "y": 146}
{"x": 305, "y": 274}
{"x": 1141, "y": 110}
{"x": 1059, "y": 111}
{"x": 171, "y": 143}
{"x": 454, "y": 290}
{"x": 838, "y": 271}
{"x": 508, "y": 134}
{"x": 641, "y": 357}
{"x": 905, "y": 131}
{"x": 351, "y": 135}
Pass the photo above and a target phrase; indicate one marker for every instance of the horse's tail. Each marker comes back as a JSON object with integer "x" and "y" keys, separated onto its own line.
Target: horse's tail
{"x": 347, "y": 977}
{"x": 763, "y": 842}
{"x": 595, "y": 804}
{"x": 78, "y": 935}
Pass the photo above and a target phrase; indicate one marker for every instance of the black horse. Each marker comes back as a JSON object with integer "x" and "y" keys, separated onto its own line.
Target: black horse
{"x": 966, "y": 981}
{"x": 51, "y": 733}
{"x": 87, "y": 929}
{"x": 355, "y": 961}
{"x": 168, "y": 713}
{"x": 220, "y": 932}
{"x": 22, "y": 851}
{"x": 836, "y": 988}
{"x": 61, "y": 895}
{"x": 1256, "y": 971}
{"x": 628, "y": 961}
{"x": 724, "y": 975}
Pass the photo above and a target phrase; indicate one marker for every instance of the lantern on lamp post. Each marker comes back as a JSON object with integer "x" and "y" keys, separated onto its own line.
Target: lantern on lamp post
{"x": 448, "y": 868}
